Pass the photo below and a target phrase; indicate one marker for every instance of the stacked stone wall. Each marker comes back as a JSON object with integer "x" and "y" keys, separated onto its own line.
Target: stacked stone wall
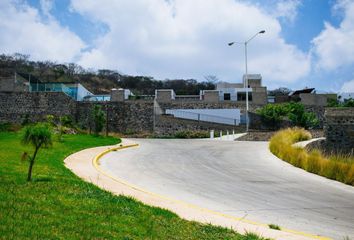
{"x": 14, "y": 107}
{"x": 128, "y": 116}
{"x": 339, "y": 130}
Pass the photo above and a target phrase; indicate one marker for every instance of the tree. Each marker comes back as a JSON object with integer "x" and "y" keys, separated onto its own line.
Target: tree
{"x": 38, "y": 136}
{"x": 298, "y": 115}
{"x": 99, "y": 118}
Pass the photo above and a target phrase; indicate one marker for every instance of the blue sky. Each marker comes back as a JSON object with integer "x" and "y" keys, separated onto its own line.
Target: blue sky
{"x": 306, "y": 44}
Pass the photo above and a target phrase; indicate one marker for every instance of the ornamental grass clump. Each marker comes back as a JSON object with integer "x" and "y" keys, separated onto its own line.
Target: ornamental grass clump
{"x": 336, "y": 167}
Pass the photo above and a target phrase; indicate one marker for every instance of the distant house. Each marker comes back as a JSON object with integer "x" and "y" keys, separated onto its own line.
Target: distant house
{"x": 23, "y": 82}
{"x": 236, "y": 92}
{"x": 75, "y": 90}
{"x": 307, "y": 96}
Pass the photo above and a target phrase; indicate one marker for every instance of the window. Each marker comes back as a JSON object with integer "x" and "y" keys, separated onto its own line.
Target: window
{"x": 227, "y": 96}
{"x": 241, "y": 96}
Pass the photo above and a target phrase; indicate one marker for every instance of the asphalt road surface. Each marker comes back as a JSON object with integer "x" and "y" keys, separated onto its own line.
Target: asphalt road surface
{"x": 242, "y": 179}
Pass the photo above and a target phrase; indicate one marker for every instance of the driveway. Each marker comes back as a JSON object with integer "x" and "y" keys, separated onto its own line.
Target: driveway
{"x": 241, "y": 179}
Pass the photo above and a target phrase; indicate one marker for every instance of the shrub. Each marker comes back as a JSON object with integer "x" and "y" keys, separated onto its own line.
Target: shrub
{"x": 4, "y": 127}
{"x": 99, "y": 118}
{"x": 336, "y": 167}
{"x": 299, "y": 116}
{"x": 273, "y": 114}
{"x": 66, "y": 121}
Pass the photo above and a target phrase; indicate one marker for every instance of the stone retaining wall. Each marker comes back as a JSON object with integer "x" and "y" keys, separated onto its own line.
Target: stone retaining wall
{"x": 14, "y": 107}
{"x": 129, "y": 116}
{"x": 339, "y": 130}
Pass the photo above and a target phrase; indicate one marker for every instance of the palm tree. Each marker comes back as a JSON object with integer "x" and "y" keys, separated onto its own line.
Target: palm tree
{"x": 38, "y": 136}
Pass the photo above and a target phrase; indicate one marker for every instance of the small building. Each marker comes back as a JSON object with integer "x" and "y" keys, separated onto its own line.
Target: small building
{"x": 224, "y": 92}
{"x": 237, "y": 92}
{"x": 309, "y": 97}
{"x": 23, "y": 82}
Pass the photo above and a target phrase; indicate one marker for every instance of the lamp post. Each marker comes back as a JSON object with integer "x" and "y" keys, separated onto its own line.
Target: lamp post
{"x": 246, "y": 74}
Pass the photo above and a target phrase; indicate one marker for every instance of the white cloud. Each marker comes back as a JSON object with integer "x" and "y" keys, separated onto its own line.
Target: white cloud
{"x": 181, "y": 38}
{"x": 348, "y": 86}
{"x": 334, "y": 47}
{"x": 46, "y": 6}
{"x": 287, "y": 9}
{"x": 22, "y": 30}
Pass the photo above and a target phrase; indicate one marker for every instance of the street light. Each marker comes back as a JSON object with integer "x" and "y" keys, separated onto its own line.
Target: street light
{"x": 246, "y": 75}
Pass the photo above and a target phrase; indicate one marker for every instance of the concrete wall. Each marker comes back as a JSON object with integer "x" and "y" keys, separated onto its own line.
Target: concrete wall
{"x": 313, "y": 99}
{"x": 9, "y": 85}
{"x": 168, "y": 125}
{"x": 211, "y": 96}
{"x": 207, "y": 105}
{"x": 117, "y": 95}
{"x": 339, "y": 130}
{"x": 164, "y": 95}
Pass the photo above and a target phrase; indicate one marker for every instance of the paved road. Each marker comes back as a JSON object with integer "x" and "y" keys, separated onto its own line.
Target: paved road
{"x": 238, "y": 179}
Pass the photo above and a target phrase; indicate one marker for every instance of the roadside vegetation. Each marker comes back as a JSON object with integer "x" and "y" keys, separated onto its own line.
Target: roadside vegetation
{"x": 336, "y": 167}
{"x": 345, "y": 103}
{"x": 57, "y": 204}
{"x": 273, "y": 114}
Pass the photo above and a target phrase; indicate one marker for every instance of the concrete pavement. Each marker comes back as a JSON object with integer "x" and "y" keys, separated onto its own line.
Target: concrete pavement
{"x": 239, "y": 179}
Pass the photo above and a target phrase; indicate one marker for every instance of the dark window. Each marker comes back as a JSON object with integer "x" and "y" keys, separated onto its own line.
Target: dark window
{"x": 241, "y": 96}
{"x": 227, "y": 96}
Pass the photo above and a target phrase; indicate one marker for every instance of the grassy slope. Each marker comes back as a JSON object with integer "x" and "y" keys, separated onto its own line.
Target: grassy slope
{"x": 58, "y": 205}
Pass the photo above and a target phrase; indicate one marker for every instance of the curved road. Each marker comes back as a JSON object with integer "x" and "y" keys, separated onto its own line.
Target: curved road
{"x": 242, "y": 179}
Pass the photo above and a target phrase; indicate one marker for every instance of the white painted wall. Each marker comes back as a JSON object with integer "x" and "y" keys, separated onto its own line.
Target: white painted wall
{"x": 225, "y": 116}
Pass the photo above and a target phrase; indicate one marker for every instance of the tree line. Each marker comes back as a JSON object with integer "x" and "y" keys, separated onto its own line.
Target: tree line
{"x": 97, "y": 81}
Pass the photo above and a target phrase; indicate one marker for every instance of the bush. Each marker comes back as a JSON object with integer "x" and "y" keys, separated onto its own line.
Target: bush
{"x": 5, "y": 127}
{"x": 336, "y": 167}
{"x": 273, "y": 114}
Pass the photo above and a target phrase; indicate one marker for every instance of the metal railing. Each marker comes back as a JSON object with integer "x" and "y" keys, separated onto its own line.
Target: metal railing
{"x": 203, "y": 117}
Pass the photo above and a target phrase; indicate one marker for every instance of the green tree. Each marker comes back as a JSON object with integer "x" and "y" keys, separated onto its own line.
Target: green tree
{"x": 298, "y": 115}
{"x": 99, "y": 118}
{"x": 38, "y": 136}
{"x": 272, "y": 114}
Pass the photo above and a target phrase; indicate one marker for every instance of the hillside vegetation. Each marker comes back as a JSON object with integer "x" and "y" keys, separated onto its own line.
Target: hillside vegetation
{"x": 100, "y": 81}
{"x": 336, "y": 167}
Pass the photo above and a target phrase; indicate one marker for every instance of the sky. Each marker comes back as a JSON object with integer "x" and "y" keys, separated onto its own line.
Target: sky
{"x": 307, "y": 43}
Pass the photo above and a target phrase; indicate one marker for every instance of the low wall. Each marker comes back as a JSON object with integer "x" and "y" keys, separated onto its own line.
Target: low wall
{"x": 339, "y": 130}
{"x": 132, "y": 116}
{"x": 122, "y": 116}
{"x": 167, "y": 125}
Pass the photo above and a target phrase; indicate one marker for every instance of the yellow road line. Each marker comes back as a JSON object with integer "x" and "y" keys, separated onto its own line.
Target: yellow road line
{"x": 96, "y": 164}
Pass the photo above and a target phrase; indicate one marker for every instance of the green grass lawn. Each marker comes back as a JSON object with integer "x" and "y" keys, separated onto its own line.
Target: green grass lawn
{"x": 58, "y": 205}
